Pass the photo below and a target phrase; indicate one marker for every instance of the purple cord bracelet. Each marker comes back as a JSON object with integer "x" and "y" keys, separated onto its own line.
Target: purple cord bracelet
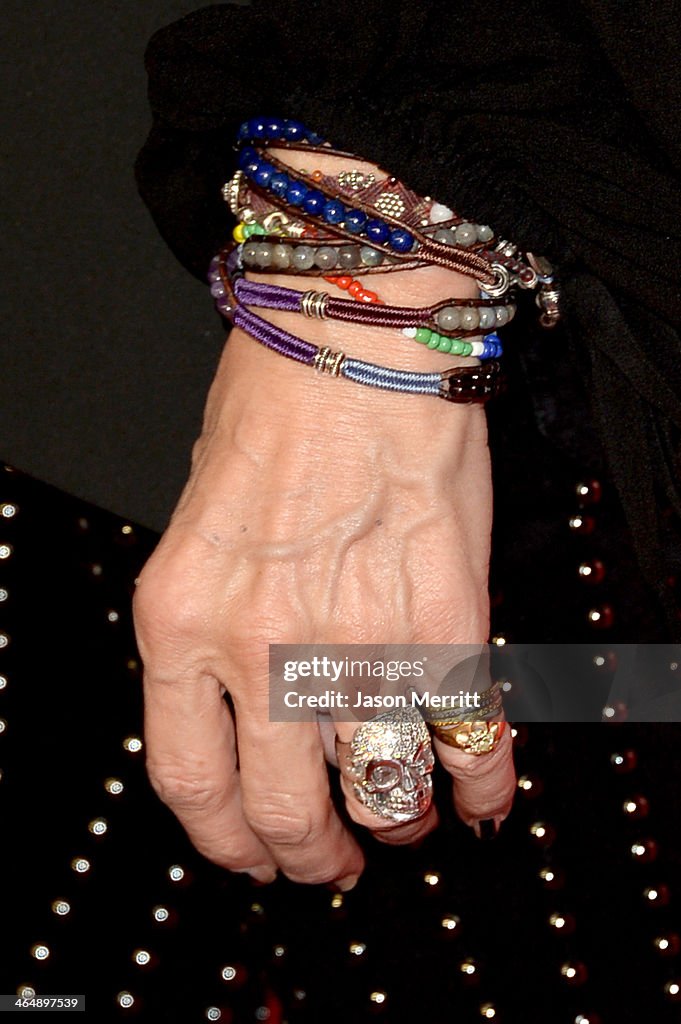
{"x": 324, "y": 306}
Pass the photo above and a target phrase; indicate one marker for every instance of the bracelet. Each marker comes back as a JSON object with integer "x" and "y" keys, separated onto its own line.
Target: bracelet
{"x": 309, "y": 223}
{"x": 468, "y": 315}
{"x": 388, "y": 234}
{"x": 315, "y": 255}
{"x": 275, "y": 176}
{"x": 308, "y": 257}
{"x": 316, "y": 198}
{"x": 322, "y": 306}
{"x": 458, "y": 384}
{"x": 388, "y": 196}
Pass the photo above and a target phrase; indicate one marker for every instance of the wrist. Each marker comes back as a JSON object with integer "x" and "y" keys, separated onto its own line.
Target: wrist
{"x": 371, "y": 342}
{"x": 416, "y": 287}
{"x": 266, "y": 404}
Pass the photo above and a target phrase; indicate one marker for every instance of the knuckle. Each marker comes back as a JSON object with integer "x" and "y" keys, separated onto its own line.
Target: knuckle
{"x": 251, "y": 630}
{"x": 283, "y": 828}
{"x": 253, "y": 623}
{"x": 184, "y": 790}
{"x": 463, "y": 766}
{"x": 165, "y": 605}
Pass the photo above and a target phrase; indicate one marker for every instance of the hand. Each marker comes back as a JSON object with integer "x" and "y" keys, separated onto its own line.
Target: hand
{"x": 317, "y": 511}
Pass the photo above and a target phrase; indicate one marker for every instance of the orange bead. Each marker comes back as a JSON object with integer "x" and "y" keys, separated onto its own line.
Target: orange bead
{"x": 316, "y": 175}
{"x": 356, "y": 289}
{"x": 343, "y": 282}
{"x": 369, "y": 297}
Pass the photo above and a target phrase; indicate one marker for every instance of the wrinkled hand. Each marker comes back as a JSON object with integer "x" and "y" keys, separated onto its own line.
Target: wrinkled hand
{"x": 317, "y": 511}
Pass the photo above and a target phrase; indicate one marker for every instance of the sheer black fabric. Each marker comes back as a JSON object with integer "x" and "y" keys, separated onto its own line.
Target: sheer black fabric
{"x": 552, "y": 121}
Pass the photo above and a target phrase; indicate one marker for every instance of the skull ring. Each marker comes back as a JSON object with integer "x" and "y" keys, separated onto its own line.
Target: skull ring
{"x": 473, "y": 737}
{"x": 389, "y": 762}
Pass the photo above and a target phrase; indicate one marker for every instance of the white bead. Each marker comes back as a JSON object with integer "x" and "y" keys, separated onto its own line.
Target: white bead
{"x": 477, "y": 348}
{"x": 440, "y": 213}
{"x": 409, "y": 332}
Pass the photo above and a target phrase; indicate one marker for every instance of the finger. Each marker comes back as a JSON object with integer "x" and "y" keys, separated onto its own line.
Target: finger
{"x": 287, "y": 800}
{"x": 395, "y": 834}
{"x": 191, "y": 761}
{"x": 385, "y": 769}
{"x": 391, "y": 833}
{"x": 327, "y": 731}
{"x": 484, "y": 784}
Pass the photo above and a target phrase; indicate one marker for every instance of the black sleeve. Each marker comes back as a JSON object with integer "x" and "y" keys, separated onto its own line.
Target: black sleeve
{"x": 552, "y": 121}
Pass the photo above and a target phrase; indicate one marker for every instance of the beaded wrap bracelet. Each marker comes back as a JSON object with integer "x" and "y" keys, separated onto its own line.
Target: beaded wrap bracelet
{"x": 249, "y": 294}
{"x": 447, "y": 316}
{"x": 387, "y": 234}
{"x": 458, "y": 384}
{"x": 317, "y": 201}
{"x": 427, "y": 325}
{"x": 312, "y": 256}
{"x": 304, "y": 226}
{"x": 287, "y": 188}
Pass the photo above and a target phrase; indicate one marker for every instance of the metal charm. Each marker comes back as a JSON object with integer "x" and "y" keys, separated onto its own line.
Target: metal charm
{"x": 231, "y": 190}
{"x": 355, "y": 180}
{"x": 328, "y": 361}
{"x": 313, "y": 304}
{"x": 391, "y": 204}
{"x": 501, "y": 283}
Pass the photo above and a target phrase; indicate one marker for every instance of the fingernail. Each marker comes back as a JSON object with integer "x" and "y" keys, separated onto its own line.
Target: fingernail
{"x": 488, "y": 828}
{"x": 347, "y": 883}
{"x": 262, "y": 875}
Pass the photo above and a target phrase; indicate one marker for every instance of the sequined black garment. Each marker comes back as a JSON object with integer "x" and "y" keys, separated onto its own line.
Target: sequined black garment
{"x": 571, "y": 910}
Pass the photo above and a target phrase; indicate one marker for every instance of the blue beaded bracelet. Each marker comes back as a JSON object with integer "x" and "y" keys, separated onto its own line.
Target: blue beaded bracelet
{"x": 332, "y": 211}
{"x": 287, "y": 188}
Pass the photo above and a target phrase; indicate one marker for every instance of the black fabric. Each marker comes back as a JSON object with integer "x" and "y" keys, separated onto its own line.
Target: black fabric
{"x": 554, "y": 122}
{"x": 68, "y": 715}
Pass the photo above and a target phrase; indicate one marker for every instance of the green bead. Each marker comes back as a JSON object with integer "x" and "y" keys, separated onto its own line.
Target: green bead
{"x": 445, "y": 345}
{"x": 457, "y": 346}
{"x": 258, "y": 229}
{"x": 434, "y": 341}
{"x": 467, "y": 348}
{"x": 423, "y": 335}
{"x": 249, "y": 229}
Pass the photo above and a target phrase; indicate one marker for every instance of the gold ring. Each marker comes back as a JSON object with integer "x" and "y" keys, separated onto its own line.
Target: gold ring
{"x": 472, "y": 737}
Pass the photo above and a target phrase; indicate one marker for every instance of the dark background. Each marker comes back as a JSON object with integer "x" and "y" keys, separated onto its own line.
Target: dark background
{"x": 82, "y": 257}
{"x": 73, "y": 694}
